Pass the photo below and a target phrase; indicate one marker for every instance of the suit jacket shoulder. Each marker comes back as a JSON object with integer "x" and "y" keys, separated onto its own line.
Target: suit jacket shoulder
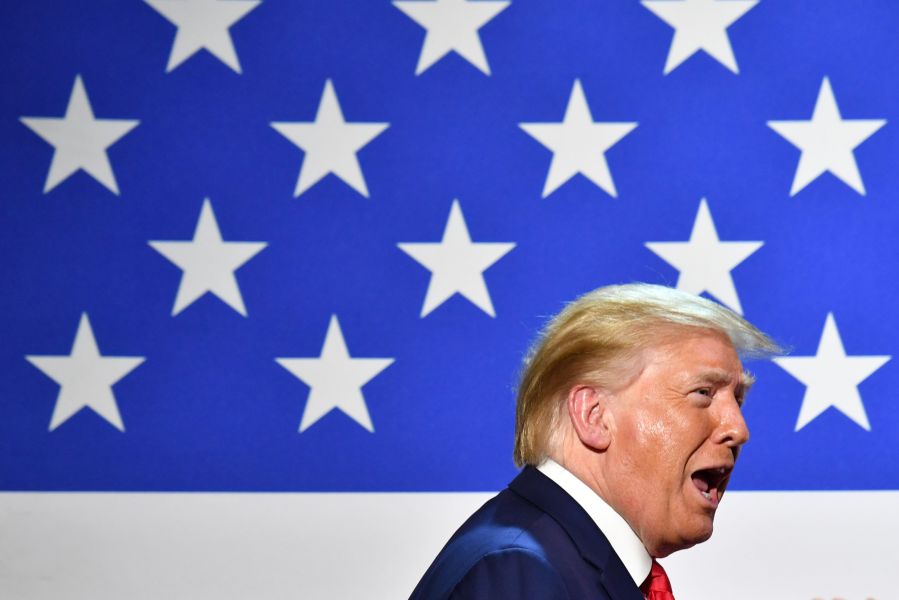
{"x": 514, "y": 572}
{"x": 532, "y": 540}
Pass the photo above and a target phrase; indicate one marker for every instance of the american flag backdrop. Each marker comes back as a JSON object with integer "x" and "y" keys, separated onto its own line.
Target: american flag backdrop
{"x": 302, "y": 247}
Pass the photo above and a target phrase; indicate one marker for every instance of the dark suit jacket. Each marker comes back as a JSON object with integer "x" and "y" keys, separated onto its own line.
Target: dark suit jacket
{"x": 531, "y": 541}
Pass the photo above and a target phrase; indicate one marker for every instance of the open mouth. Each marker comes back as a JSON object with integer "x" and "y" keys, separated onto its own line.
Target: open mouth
{"x": 710, "y": 483}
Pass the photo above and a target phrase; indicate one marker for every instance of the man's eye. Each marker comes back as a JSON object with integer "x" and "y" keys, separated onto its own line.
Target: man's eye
{"x": 703, "y": 391}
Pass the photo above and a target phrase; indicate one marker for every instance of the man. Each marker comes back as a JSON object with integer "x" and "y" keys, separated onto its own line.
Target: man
{"x": 628, "y": 424}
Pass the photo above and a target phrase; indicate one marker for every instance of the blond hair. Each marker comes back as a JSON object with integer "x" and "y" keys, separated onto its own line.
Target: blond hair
{"x": 595, "y": 340}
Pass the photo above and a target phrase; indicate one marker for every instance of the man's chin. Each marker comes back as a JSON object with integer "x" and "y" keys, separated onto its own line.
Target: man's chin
{"x": 699, "y": 533}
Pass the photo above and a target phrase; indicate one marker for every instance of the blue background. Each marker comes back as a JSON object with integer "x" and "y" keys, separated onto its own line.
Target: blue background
{"x": 210, "y": 409}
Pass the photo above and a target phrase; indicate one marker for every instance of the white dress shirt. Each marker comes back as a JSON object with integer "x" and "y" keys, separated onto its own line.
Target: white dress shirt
{"x": 624, "y": 541}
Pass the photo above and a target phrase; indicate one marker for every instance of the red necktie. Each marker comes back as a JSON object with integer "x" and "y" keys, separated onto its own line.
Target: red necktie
{"x": 657, "y": 586}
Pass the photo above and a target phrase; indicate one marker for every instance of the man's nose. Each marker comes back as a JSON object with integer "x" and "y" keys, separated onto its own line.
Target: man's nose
{"x": 732, "y": 430}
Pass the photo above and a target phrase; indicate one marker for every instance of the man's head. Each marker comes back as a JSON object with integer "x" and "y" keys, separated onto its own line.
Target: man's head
{"x": 637, "y": 389}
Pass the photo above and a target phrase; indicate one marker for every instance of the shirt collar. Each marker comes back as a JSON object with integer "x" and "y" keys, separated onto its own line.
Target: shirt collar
{"x": 624, "y": 541}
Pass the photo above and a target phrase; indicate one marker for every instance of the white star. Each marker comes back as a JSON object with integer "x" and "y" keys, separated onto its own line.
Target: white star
{"x": 208, "y": 263}
{"x": 79, "y": 140}
{"x": 457, "y": 264}
{"x": 704, "y": 261}
{"x": 452, "y": 25}
{"x": 203, "y": 24}
{"x": 700, "y": 25}
{"x": 831, "y": 377}
{"x": 335, "y": 379}
{"x": 330, "y": 144}
{"x": 578, "y": 144}
{"x": 827, "y": 142}
{"x": 85, "y": 377}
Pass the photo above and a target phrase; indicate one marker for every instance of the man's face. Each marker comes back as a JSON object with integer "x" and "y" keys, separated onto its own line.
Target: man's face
{"x": 676, "y": 430}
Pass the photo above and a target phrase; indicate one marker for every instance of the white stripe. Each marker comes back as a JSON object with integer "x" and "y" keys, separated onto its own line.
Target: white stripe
{"x": 795, "y": 546}
{"x": 768, "y": 545}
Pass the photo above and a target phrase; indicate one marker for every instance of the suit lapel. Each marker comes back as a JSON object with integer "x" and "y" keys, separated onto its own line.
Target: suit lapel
{"x": 544, "y": 493}
{"x": 618, "y": 582}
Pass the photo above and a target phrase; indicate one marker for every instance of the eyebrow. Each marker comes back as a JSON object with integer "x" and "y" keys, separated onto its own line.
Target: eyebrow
{"x": 716, "y": 377}
{"x": 748, "y": 380}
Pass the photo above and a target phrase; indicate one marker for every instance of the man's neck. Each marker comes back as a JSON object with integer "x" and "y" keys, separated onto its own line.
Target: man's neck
{"x": 624, "y": 541}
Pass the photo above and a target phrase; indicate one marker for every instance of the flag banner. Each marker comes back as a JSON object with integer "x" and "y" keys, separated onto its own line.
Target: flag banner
{"x": 303, "y": 247}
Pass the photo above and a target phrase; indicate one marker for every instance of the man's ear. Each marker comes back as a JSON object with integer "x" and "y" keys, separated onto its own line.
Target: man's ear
{"x": 590, "y": 416}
